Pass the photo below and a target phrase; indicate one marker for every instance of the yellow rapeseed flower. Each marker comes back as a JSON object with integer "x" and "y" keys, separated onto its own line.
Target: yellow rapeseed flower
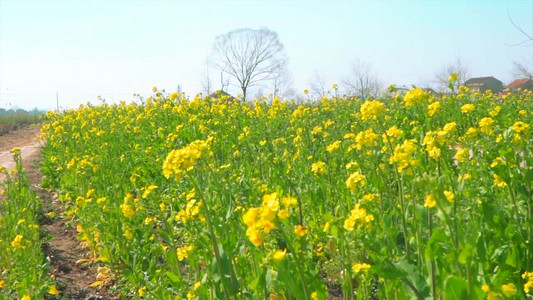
{"x": 127, "y": 233}
{"x": 17, "y": 241}
{"x": 498, "y": 181}
{"x": 449, "y": 128}
{"x": 280, "y": 254}
{"x": 300, "y": 231}
{"x": 433, "y": 108}
{"x": 255, "y": 236}
{"x": 183, "y": 252}
{"x": 289, "y": 201}
{"x": 449, "y": 196}
{"x": 495, "y": 111}
{"x": 318, "y": 168}
{"x": 467, "y": 108}
{"x": 453, "y": 77}
{"x": 429, "y": 201}
{"x": 485, "y": 125}
{"x": 370, "y": 110}
{"x": 414, "y": 96}
{"x": 464, "y": 177}
{"x": 509, "y": 289}
{"x": 127, "y": 210}
{"x": 334, "y": 146}
{"x": 355, "y": 179}
{"x": 462, "y": 155}
{"x": 520, "y": 127}
{"x": 360, "y": 267}
{"x": 528, "y": 286}
{"x": 283, "y": 213}
{"x": 403, "y": 155}
{"x": 53, "y": 290}
{"x": 359, "y": 216}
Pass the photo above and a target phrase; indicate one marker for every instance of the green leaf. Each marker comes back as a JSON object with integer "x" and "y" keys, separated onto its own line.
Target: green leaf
{"x": 433, "y": 247}
{"x": 466, "y": 254}
{"x": 172, "y": 277}
{"x": 388, "y": 271}
{"x": 455, "y": 288}
{"x": 512, "y": 257}
{"x": 414, "y": 276}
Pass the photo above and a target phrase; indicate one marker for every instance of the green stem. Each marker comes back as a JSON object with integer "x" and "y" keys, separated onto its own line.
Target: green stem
{"x": 214, "y": 243}
{"x": 433, "y": 279}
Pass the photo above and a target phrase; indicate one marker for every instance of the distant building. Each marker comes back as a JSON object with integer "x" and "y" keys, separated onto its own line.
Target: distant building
{"x": 524, "y": 84}
{"x": 483, "y": 84}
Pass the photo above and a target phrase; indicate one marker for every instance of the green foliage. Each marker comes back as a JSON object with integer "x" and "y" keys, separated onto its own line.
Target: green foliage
{"x": 414, "y": 196}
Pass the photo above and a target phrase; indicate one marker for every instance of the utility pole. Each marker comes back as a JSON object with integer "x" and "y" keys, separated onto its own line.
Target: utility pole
{"x": 57, "y": 101}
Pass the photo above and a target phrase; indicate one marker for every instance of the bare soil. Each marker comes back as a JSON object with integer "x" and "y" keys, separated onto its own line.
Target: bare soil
{"x": 63, "y": 250}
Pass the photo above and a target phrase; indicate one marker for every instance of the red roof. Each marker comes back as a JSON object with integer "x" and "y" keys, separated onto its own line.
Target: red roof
{"x": 518, "y": 83}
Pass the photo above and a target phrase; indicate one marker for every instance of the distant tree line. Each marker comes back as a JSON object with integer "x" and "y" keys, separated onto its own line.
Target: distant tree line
{"x": 20, "y": 112}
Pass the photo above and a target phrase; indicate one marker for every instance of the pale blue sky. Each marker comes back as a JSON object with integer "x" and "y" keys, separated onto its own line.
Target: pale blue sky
{"x": 83, "y": 49}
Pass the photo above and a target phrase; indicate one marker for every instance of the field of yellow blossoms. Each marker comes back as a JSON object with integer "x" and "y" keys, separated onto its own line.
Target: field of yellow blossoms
{"x": 410, "y": 196}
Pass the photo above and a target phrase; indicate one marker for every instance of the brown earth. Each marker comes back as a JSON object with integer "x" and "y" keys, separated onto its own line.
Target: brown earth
{"x": 63, "y": 250}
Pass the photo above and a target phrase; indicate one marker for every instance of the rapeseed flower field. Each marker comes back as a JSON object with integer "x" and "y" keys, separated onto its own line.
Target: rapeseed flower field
{"x": 414, "y": 195}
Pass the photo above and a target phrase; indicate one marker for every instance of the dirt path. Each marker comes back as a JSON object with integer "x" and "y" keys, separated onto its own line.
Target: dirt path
{"x": 26, "y": 140}
{"x": 63, "y": 250}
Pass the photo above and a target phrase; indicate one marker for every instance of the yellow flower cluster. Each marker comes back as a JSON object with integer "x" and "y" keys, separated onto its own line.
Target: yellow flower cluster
{"x": 414, "y": 96}
{"x": 354, "y": 180}
{"x": 359, "y": 216}
{"x": 393, "y": 133}
{"x": 433, "y": 108}
{"x": 403, "y": 155}
{"x": 366, "y": 138}
{"x": 333, "y": 146}
{"x": 260, "y": 219}
{"x": 485, "y": 125}
{"x": 429, "y": 201}
{"x": 280, "y": 254}
{"x": 509, "y": 289}
{"x": 300, "y": 230}
{"x": 16, "y": 243}
{"x": 467, "y": 108}
{"x": 430, "y": 142}
{"x": 520, "y": 127}
{"x": 318, "y": 168}
{"x": 528, "y": 286}
{"x": 370, "y": 110}
{"x": 450, "y": 196}
{"x": 183, "y": 251}
{"x": 181, "y": 160}
{"x": 462, "y": 155}
{"x": 498, "y": 181}
{"x": 127, "y": 207}
{"x": 360, "y": 267}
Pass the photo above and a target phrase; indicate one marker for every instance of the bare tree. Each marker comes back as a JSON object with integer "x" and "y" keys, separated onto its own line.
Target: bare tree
{"x": 224, "y": 81}
{"x": 362, "y": 82}
{"x": 456, "y": 67}
{"x": 206, "y": 80}
{"x": 318, "y": 85}
{"x": 522, "y": 71}
{"x": 282, "y": 83}
{"x": 250, "y": 56}
{"x": 528, "y": 36}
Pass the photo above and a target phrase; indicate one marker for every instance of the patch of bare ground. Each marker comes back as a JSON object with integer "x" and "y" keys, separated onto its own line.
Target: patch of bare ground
{"x": 63, "y": 250}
